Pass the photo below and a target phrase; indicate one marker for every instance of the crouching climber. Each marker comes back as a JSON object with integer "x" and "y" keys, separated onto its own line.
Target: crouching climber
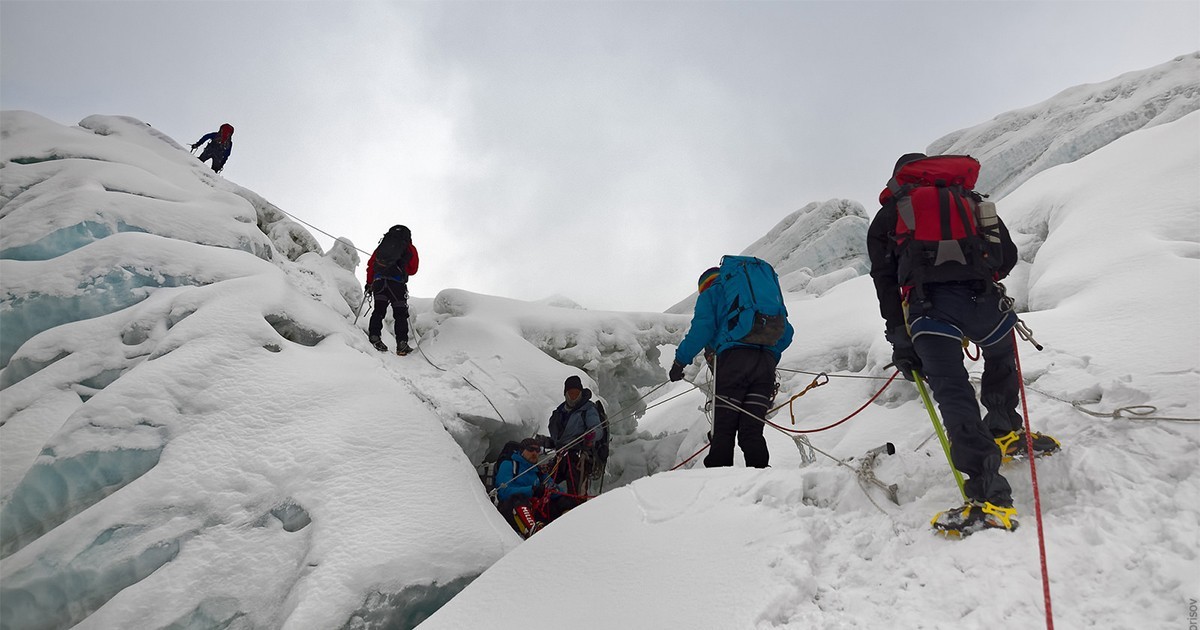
{"x": 527, "y": 496}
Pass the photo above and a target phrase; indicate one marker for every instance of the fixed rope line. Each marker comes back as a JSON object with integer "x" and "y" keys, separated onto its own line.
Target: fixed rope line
{"x": 859, "y": 474}
{"x": 613, "y": 419}
{"x": 1138, "y": 412}
{"x": 872, "y": 378}
{"x": 855, "y": 413}
{"x": 1037, "y": 495}
{"x": 336, "y": 239}
{"x": 835, "y": 460}
{"x": 816, "y": 382}
{"x": 413, "y": 328}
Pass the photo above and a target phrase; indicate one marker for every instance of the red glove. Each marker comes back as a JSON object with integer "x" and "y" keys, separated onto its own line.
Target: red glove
{"x": 588, "y": 439}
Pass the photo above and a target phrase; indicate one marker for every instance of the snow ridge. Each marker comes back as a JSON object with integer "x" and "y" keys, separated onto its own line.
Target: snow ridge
{"x": 1016, "y": 145}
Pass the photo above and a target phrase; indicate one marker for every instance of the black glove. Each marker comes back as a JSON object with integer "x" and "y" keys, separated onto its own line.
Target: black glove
{"x": 367, "y": 288}
{"x": 538, "y": 489}
{"x": 195, "y": 145}
{"x": 676, "y": 373}
{"x": 904, "y": 356}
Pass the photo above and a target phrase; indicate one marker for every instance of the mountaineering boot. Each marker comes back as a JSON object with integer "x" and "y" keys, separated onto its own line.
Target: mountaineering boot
{"x": 1013, "y": 446}
{"x": 403, "y": 348}
{"x": 974, "y": 516}
{"x": 526, "y": 524}
{"x": 378, "y": 343}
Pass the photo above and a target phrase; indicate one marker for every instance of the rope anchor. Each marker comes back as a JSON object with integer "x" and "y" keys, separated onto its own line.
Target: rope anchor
{"x": 866, "y": 471}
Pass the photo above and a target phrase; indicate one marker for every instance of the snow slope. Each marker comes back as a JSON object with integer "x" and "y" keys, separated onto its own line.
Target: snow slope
{"x": 195, "y": 434}
{"x": 193, "y": 429}
{"x": 192, "y": 433}
{"x": 1114, "y": 300}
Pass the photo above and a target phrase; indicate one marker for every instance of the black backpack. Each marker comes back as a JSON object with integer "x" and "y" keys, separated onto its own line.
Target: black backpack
{"x": 392, "y": 255}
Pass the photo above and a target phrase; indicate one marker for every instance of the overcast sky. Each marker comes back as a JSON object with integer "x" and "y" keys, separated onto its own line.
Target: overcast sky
{"x": 605, "y": 151}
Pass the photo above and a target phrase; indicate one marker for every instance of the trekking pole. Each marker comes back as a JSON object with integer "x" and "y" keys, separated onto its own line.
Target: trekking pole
{"x": 919, "y": 381}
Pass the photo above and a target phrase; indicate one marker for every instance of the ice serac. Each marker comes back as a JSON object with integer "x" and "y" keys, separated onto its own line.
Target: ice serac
{"x": 812, "y": 249}
{"x": 192, "y": 433}
{"x": 1017, "y": 145}
{"x": 618, "y": 351}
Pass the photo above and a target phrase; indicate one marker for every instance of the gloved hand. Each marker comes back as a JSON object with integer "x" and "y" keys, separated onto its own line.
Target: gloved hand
{"x": 538, "y": 489}
{"x": 589, "y": 439}
{"x": 195, "y": 145}
{"x": 676, "y": 373}
{"x": 905, "y": 358}
{"x": 367, "y": 288}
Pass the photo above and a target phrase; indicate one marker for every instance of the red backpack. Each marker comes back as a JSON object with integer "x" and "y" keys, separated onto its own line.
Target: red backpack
{"x": 940, "y": 233}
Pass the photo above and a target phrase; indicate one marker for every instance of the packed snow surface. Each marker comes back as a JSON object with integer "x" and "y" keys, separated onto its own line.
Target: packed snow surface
{"x": 195, "y": 433}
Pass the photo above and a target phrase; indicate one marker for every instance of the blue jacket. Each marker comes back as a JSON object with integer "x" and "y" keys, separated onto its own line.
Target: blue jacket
{"x": 568, "y": 423}
{"x": 216, "y": 147}
{"x": 514, "y": 469}
{"x": 703, "y": 331}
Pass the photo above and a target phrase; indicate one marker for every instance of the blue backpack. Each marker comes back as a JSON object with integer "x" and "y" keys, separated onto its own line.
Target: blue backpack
{"x": 756, "y": 313}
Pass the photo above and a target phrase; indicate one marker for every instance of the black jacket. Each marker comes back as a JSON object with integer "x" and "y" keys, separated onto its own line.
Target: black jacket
{"x": 881, "y": 249}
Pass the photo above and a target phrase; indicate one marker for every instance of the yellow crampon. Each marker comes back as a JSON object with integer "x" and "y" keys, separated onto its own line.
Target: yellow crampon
{"x": 1007, "y": 444}
{"x": 964, "y": 521}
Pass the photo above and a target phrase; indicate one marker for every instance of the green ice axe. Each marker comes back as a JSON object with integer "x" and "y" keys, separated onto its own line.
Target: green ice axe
{"x": 919, "y": 381}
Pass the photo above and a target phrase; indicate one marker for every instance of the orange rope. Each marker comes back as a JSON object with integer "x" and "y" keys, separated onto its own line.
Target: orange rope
{"x": 815, "y": 383}
{"x": 856, "y": 411}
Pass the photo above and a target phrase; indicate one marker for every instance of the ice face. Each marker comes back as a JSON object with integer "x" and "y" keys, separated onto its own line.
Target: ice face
{"x": 827, "y": 239}
{"x": 1017, "y": 145}
{"x": 56, "y": 489}
{"x": 192, "y": 432}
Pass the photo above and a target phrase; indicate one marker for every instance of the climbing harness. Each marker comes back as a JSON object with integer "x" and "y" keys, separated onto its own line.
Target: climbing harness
{"x": 1007, "y": 306}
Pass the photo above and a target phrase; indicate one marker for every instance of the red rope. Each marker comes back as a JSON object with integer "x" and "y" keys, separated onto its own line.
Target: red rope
{"x": 1037, "y": 497}
{"x": 702, "y": 448}
{"x": 856, "y": 411}
{"x": 787, "y": 430}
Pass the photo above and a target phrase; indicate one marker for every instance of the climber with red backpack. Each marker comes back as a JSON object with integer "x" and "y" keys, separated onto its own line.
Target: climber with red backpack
{"x": 394, "y": 260}
{"x": 937, "y": 252}
{"x": 220, "y": 144}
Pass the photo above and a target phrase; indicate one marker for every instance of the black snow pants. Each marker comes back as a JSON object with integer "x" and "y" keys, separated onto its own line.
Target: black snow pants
{"x": 949, "y": 312}
{"x": 746, "y": 378}
{"x": 395, "y": 293}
